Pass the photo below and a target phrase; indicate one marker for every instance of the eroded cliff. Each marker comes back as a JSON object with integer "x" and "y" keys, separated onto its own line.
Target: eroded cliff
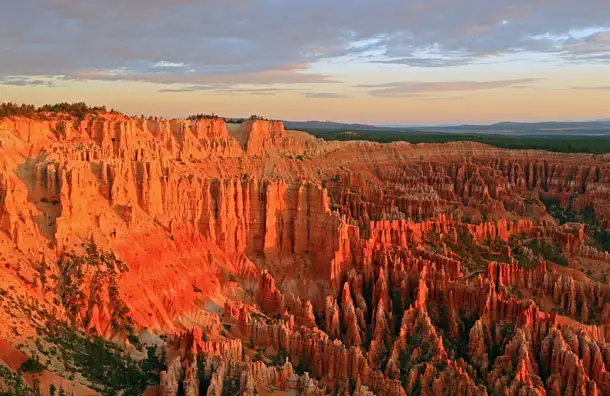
{"x": 241, "y": 259}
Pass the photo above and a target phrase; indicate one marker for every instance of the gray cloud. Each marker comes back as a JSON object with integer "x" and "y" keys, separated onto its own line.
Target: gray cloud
{"x": 191, "y": 88}
{"x": 417, "y": 88}
{"x": 439, "y": 98}
{"x": 24, "y": 82}
{"x": 226, "y": 90}
{"x": 292, "y": 74}
{"x": 323, "y": 95}
{"x": 427, "y": 62}
{"x": 216, "y": 42}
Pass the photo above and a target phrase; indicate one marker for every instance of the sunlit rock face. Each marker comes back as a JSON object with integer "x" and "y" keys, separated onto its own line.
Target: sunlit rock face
{"x": 258, "y": 259}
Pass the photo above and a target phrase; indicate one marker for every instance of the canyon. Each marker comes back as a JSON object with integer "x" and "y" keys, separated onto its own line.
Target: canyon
{"x": 215, "y": 258}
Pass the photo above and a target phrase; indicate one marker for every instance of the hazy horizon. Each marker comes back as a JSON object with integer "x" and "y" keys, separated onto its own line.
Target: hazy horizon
{"x": 383, "y": 63}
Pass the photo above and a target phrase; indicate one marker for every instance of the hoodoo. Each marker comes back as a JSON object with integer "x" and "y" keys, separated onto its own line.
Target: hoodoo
{"x": 169, "y": 257}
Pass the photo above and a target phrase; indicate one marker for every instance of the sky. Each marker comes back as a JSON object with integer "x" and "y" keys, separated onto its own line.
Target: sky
{"x": 369, "y": 61}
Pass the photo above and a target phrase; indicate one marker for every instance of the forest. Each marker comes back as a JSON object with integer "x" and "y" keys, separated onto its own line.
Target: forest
{"x": 593, "y": 144}
{"x": 78, "y": 110}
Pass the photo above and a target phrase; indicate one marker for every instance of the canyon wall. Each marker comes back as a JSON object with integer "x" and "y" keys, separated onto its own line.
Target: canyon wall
{"x": 269, "y": 258}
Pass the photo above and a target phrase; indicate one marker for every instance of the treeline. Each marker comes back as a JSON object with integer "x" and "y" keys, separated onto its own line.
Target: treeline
{"x": 226, "y": 119}
{"x": 77, "y": 110}
{"x": 81, "y": 110}
{"x": 202, "y": 117}
{"x": 562, "y": 144}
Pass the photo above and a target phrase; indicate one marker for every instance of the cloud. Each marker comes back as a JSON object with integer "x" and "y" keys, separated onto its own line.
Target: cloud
{"x": 443, "y": 98}
{"x": 286, "y": 75}
{"x": 227, "y": 90}
{"x": 324, "y": 95}
{"x": 524, "y": 87}
{"x": 262, "y": 42}
{"x": 417, "y": 88}
{"x": 191, "y": 88}
{"x": 594, "y": 88}
{"x": 426, "y": 62}
{"x": 169, "y": 65}
{"x": 24, "y": 82}
{"x": 601, "y": 37}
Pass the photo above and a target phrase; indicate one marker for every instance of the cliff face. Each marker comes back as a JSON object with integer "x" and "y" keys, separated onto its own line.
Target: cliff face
{"x": 263, "y": 136}
{"x": 270, "y": 259}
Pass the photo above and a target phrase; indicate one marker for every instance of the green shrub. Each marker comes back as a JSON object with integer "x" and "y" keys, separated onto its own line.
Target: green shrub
{"x": 104, "y": 364}
{"x": 32, "y": 365}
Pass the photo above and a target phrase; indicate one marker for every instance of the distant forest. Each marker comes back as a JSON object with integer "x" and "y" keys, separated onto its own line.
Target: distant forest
{"x": 226, "y": 119}
{"x": 78, "y": 110}
{"x": 81, "y": 109}
{"x": 558, "y": 143}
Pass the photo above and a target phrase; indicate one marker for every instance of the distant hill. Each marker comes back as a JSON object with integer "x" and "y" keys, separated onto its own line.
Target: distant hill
{"x": 547, "y": 128}
{"x": 531, "y": 128}
{"x": 331, "y": 125}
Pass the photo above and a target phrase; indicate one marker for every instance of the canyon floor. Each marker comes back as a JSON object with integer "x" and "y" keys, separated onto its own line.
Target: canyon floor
{"x": 195, "y": 257}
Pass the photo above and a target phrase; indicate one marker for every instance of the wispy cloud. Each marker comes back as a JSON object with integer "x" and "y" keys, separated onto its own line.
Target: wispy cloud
{"x": 592, "y": 88}
{"x": 416, "y": 88}
{"x": 192, "y": 88}
{"x": 324, "y": 95}
{"x": 169, "y": 65}
{"x": 227, "y": 89}
{"x": 285, "y": 75}
{"x": 25, "y": 81}
{"x": 444, "y": 98}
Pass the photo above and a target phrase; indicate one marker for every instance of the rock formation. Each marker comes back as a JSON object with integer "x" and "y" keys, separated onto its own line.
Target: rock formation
{"x": 259, "y": 259}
